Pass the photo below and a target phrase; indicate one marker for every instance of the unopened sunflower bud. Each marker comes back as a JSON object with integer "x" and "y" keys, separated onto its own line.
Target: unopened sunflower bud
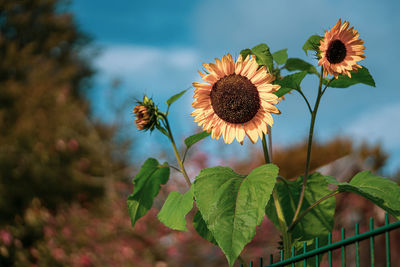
{"x": 146, "y": 114}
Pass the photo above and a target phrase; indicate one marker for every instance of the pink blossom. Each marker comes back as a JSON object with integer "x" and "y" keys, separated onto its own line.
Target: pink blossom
{"x": 85, "y": 261}
{"x": 6, "y": 237}
{"x": 58, "y": 254}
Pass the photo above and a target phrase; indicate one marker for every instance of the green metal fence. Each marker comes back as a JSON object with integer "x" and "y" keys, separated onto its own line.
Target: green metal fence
{"x": 316, "y": 253}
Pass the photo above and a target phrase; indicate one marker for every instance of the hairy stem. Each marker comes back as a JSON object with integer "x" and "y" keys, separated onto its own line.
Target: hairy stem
{"x": 170, "y": 166}
{"x": 282, "y": 223}
{"x": 305, "y": 99}
{"x": 334, "y": 193}
{"x": 278, "y": 208}
{"x": 310, "y": 138}
{"x": 326, "y": 85}
{"x": 265, "y": 149}
{"x": 270, "y": 142}
{"x": 178, "y": 158}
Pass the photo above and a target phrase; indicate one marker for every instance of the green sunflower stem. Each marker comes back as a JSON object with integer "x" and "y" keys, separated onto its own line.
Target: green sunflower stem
{"x": 265, "y": 149}
{"x": 282, "y": 223}
{"x": 270, "y": 142}
{"x": 279, "y": 211}
{"x": 178, "y": 158}
{"x": 310, "y": 138}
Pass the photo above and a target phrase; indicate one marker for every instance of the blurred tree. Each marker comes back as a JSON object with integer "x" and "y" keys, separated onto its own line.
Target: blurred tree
{"x": 49, "y": 149}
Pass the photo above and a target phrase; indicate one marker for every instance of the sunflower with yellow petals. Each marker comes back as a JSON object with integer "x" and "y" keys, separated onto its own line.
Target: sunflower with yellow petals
{"x": 237, "y": 99}
{"x": 340, "y": 50}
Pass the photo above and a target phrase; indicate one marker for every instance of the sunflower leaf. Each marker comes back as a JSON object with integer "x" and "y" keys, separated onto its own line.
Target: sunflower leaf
{"x": 290, "y": 82}
{"x": 263, "y": 56}
{"x": 362, "y": 76}
{"x": 293, "y": 64}
{"x": 201, "y": 228}
{"x": 147, "y": 184}
{"x": 245, "y": 53}
{"x": 318, "y": 222}
{"x": 191, "y": 140}
{"x": 232, "y": 205}
{"x": 280, "y": 56}
{"x": 282, "y": 91}
{"x": 312, "y": 44}
{"x": 173, "y": 98}
{"x": 175, "y": 208}
{"x": 381, "y": 191}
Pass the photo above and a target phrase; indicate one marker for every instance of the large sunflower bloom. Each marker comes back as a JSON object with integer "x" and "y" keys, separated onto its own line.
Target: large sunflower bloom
{"x": 237, "y": 99}
{"x": 340, "y": 50}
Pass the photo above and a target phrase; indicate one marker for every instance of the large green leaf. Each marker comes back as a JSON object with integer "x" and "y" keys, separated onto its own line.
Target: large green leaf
{"x": 293, "y": 64}
{"x": 191, "y": 140}
{"x": 263, "y": 56}
{"x": 316, "y": 223}
{"x": 175, "y": 208}
{"x": 245, "y": 53}
{"x": 362, "y": 76}
{"x": 201, "y": 228}
{"x": 173, "y": 98}
{"x": 147, "y": 184}
{"x": 312, "y": 43}
{"x": 282, "y": 91}
{"x": 290, "y": 82}
{"x": 381, "y": 191}
{"x": 280, "y": 56}
{"x": 232, "y": 205}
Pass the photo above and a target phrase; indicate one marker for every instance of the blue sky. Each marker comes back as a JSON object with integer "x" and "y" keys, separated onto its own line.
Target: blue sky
{"x": 156, "y": 47}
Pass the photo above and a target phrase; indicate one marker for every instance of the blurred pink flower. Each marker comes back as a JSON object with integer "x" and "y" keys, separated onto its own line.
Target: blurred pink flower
{"x": 66, "y": 232}
{"x": 73, "y": 145}
{"x": 60, "y": 145}
{"x": 6, "y": 237}
{"x": 85, "y": 260}
{"x": 58, "y": 254}
{"x": 48, "y": 231}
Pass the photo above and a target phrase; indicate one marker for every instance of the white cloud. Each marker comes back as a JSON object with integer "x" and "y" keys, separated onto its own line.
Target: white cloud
{"x": 378, "y": 125}
{"x": 124, "y": 60}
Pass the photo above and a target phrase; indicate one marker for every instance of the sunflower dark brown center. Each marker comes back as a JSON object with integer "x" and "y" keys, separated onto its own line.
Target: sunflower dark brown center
{"x": 336, "y": 52}
{"x": 235, "y": 99}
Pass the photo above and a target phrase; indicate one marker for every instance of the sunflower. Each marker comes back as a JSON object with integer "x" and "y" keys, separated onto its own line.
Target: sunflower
{"x": 237, "y": 99}
{"x": 340, "y": 50}
{"x": 147, "y": 114}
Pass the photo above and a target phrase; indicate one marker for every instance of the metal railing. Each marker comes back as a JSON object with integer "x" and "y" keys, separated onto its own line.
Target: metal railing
{"x": 316, "y": 253}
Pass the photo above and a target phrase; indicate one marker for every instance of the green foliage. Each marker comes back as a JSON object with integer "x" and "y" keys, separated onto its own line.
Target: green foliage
{"x": 290, "y": 82}
{"x": 312, "y": 44}
{"x": 280, "y": 56}
{"x": 316, "y": 223}
{"x": 201, "y": 228}
{"x": 49, "y": 147}
{"x": 283, "y": 91}
{"x": 191, "y": 140}
{"x": 245, "y": 53}
{"x": 173, "y": 98}
{"x": 175, "y": 208}
{"x": 361, "y": 76}
{"x": 293, "y": 64}
{"x": 232, "y": 205}
{"x": 147, "y": 184}
{"x": 263, "y": 55}
{"x": 381, "y": 191}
